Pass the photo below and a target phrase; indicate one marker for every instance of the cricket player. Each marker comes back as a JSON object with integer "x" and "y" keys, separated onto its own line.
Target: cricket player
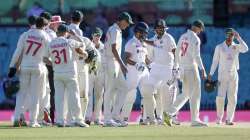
{"x": 22, "y": 121}
{"x": 137, "y": 61}
{"x": 82, "y": 67}
{"x": 226, "y": 57}
{"x": 30, "y": 51}
{"x": 96, "y": 82}
{"x": 156, "y": 91}
{"x": 115, "y": 92}
{"x": 189, "y": 60}
{"x": 61, "y": 52}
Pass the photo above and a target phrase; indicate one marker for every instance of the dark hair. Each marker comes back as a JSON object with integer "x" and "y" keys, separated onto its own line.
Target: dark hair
{"x": 77, "y": 16}
{"x": 41, "y": 22}
{"x": 46, "y": 15}
{"x": 32, "y": 20}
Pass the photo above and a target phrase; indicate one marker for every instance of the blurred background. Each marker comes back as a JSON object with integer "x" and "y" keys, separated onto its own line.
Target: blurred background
{"x": 216, "y": 14}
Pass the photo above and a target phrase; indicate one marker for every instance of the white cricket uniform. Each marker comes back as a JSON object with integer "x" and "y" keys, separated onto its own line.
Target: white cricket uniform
{"x": 134, "y": 76}
{"x": 227, "y": 57}
{"x": 188, "y": 57}
{"x": 82, "y": 70}
{"x": 115, "y": 92}
{"x": 61, "y": 51}
{"x": 31, "y": 49}
{"x": 96, "y": 87}
{"x": 160, "y": 74}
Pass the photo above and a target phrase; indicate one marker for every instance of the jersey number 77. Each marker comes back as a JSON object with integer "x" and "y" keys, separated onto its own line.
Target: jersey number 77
{"x": 33, "y": 44}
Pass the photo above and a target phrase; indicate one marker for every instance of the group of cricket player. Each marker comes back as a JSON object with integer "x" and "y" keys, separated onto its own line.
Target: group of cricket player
{"x": 102, "y": 90}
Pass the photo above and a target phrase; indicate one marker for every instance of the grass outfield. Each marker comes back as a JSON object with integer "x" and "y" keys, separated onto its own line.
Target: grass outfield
{"x": 133, "y": 132}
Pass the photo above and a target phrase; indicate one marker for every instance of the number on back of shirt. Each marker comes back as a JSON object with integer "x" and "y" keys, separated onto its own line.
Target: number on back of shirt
{"x": 60, "y": 56}
{"x": 33, "y": 47}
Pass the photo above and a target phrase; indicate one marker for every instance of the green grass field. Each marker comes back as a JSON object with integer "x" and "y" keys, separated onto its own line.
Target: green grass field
{"x": 133, "y": 132}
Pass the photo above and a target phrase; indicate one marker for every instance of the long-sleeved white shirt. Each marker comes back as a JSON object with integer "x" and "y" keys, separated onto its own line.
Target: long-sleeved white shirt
{"x": 31, "y": 48}
{"x": 227, "y": 57}
{"x": 188, "y": 51}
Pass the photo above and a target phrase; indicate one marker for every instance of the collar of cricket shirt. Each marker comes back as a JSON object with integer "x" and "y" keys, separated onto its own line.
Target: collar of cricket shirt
{"x": 117, "y": 27}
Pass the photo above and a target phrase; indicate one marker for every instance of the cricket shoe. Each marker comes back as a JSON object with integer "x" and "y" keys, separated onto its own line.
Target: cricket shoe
{"x": 218, "y": 121}
{"x": 87, "y": 121}
{"x": 168, "y": 119}
{"x": 175, "y": 121}
{"x": 58, "y": 124}
{"x": 198, "y": 124}
{"x": 81, "y": 124}
{"x": 111, "y": 123}
{"x": 229, "y": 122}
{"x": 160, "y": 121}
{"x": 34, "y": 125}
{"x": 98, "y": 122}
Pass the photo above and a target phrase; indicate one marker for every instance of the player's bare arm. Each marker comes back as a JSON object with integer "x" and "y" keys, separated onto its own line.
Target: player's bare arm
{"x": 118, "y": 58}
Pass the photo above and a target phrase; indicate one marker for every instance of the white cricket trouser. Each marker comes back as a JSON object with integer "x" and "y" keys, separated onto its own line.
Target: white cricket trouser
{"x": 45, "y": 99}
{"x": 165, "y": 98}
{"x": 30, "y": 90}
{"x": 133, "y": 80}
{"x": 67, "y": 92}
{"x": 115, "y": 93}
{"x": 191, "y": 91}
{"x": 95, "y": 96}
{"x": 83, "y": 85}
{"x": 155, "y": 90}
{"x": 228, "y": 85}
{"x": 83, "y": 80}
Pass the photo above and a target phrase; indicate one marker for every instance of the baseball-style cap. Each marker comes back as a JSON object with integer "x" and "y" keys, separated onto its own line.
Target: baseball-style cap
{"x": 125, "y": 16}
{"x": 46, "y": 15}
{"x": 199, "y": 24}
{"x": 63, "y": 28}
{"x": 229, "y": 30}
{"x": 160, "y": 23}
{"x": 97, "y": 31}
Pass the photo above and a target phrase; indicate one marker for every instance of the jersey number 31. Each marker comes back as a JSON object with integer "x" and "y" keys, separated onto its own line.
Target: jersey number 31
{"x": 58, "y": 56}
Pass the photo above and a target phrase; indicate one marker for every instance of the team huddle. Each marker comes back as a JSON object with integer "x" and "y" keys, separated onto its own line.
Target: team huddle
{"x": 90, "y": 75}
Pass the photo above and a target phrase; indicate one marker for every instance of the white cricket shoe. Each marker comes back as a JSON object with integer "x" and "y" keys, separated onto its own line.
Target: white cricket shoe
{"x": 98, "y": 122}
{"x": 34, "y": 125}
{"x": 175, "y": 121}
{"x": 124, "y": 123}
{"x": 218, "y": 121}
{"x": 81, "y": 124}
{"x": 198, "y": 124}
{"x": 111, "y": 123}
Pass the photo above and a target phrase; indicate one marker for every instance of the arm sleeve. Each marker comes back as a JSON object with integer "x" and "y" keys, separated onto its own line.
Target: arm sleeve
{"x": 113, "y": 36}
{"x": 178, "y": 54}
{"x": 242, "y": 46}
{"x": 18, "y": 52}
{"x": 196, "y": 54}
{"x": 216, "y": 59}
